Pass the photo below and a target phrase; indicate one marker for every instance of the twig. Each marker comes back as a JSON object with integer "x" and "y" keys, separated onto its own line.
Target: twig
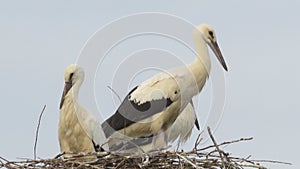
{"x": 198, "y": 140}
{"x": 4, "y": 159}
{"x": 226, "y": 142}
{"x": 272, "y": 161}
{"x": 37, "y": 132}
{"x": 188, "y": 161}
{"x": 212, "y": 157}
{"x": 216, "y": 145}
{"x": 59, "y": 155}
{"x": 7, "y": 162}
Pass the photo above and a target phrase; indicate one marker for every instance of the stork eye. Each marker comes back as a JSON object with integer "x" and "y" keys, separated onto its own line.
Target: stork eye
{"x": 71, "y": 75}
{"x": 211, "y": 34}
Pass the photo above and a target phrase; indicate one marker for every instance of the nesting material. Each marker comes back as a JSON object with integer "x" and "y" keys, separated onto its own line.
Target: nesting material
{"x": 213, "y": 157}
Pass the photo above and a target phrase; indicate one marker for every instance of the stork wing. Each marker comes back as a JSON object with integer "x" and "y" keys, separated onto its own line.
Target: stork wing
{"x": 131, "y": 111}
{"x": 149, "y": 98}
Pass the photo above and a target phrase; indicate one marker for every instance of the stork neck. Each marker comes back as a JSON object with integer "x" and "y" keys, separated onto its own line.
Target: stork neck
{"x": 200, "y": 70}
{"x": 75, "y": 90}
{"x": 201, "y": 51}
{"x": 202, "y": 61}
{"x": 200, "y": 67}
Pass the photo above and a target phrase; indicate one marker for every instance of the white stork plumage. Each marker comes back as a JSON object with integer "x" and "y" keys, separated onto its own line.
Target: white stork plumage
{"x": 78, "y": 130}
{"x": 153, "y": 106}
{"x": 181, "y": 129}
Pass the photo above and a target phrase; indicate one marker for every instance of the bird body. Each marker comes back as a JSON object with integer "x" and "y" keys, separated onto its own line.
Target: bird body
{"x": 166, "y": 88}
{"x": 173, "y": 85}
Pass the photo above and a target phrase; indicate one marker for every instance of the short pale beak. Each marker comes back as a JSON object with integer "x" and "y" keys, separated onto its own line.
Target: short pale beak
{"x": 67, "y": 87}
{"x": 215, "y": 48}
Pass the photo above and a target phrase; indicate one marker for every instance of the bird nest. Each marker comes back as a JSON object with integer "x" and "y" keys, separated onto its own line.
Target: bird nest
{"x": 207, "y": 157}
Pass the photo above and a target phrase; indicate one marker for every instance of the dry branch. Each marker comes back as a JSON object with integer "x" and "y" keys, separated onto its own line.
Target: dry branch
{"x": 208, "y": 157}
{"x": 37, "y": 132}
{"x": 217, "y": 147}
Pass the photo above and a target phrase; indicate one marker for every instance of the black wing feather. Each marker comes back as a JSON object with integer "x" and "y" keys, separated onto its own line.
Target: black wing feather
{"x": 196, "y": 121}
{"x": 130, "y": 112}
{"x": 197, "y": 124}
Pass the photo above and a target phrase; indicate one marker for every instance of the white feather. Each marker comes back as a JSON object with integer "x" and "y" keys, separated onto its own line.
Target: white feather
{"x": 183, "y": 125}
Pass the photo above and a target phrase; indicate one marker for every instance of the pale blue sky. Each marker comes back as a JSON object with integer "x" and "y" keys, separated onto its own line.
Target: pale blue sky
{"x": 259, "y": 40}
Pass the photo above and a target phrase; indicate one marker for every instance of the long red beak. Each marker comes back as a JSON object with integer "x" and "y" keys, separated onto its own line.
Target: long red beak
{"x": 67, "y": 87}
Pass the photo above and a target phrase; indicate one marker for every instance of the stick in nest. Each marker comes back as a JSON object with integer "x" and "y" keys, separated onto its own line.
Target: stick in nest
{"x": 37, "y": 132}
{"x": 216, "y": 145}
{"x": 208, "y": 157}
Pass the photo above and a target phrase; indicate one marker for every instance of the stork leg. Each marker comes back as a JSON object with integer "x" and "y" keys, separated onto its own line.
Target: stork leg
{"x": 166, "y": 138}
{"x": 158, "y": 141}
{"x": 155, "y": 142}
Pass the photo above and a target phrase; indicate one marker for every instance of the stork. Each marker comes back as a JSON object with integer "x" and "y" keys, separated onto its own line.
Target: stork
{"x": 78, "y": 130}
{"x": 152, "y": 107}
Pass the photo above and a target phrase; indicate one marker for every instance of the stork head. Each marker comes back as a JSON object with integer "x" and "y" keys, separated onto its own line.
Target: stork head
{"x": 209, "y": 36}
{"x": 74, "y": 76}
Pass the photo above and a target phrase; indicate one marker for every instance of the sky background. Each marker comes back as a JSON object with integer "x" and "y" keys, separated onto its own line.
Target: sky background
{"x": 259, "y": 40}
